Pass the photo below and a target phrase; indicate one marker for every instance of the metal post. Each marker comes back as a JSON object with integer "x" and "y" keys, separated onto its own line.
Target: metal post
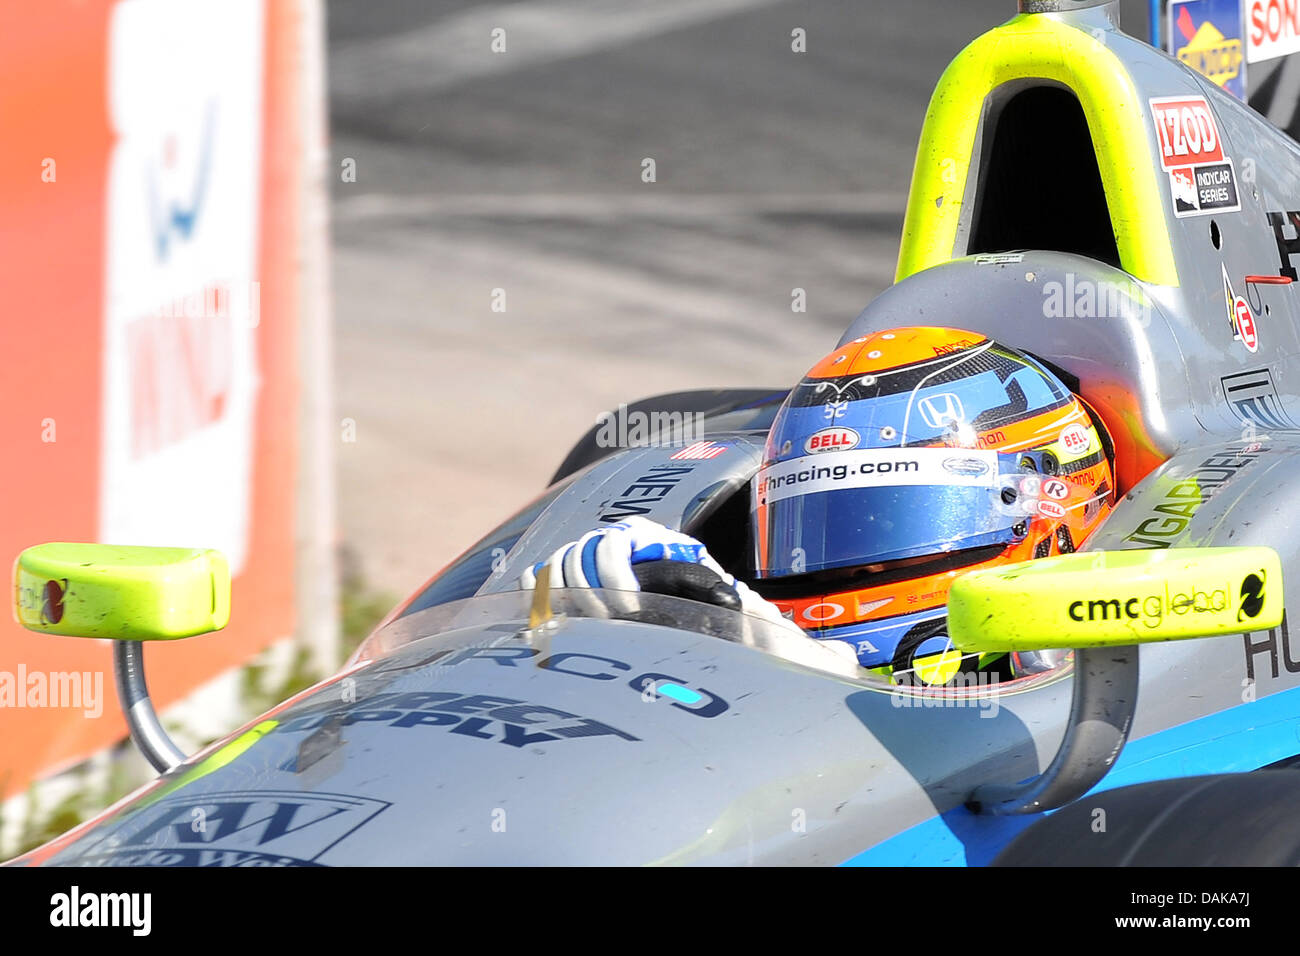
{"x": 1101, "y": 715}
{"x": 141, "y": 719}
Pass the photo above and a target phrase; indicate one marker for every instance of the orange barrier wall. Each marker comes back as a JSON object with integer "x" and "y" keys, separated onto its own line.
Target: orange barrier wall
{"x": 149, "y": 163}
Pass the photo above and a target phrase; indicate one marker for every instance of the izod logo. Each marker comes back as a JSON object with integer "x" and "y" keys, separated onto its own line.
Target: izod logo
{"x": 831, "y": 439}
{"x": 1186, "y": 131}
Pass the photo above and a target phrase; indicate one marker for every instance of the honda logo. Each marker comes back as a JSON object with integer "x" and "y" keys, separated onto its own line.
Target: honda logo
{"x": 942, "y": 409}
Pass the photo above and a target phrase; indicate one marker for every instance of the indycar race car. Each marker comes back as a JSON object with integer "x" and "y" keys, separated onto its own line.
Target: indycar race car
{"x": 1078, "y": 196}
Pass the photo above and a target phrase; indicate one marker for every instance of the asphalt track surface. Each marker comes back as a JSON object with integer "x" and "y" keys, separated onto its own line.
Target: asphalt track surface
{"x": 522, "y": 171}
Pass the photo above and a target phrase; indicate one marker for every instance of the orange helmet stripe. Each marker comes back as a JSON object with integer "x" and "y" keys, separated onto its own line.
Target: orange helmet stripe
{"x": 895, "y": 348}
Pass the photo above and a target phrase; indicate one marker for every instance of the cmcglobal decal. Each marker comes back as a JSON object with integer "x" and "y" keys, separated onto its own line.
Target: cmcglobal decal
{"x": 1186, "y": 495}
{"x": 1153, "y": 609}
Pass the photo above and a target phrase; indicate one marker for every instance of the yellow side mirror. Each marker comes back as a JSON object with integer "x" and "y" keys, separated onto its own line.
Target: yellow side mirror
{"x": 121, "y": 592}
{"x": 1103, "y": 604}
{"x": 1116, "y": 598}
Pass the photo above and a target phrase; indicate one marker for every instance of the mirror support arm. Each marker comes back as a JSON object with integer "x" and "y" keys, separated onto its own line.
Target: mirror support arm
{"x": 141, "y": 719}
{"x": 1101, "y": 715}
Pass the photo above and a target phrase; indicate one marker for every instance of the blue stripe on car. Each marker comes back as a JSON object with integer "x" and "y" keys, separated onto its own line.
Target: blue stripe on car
{"x": 1245, "y": 737}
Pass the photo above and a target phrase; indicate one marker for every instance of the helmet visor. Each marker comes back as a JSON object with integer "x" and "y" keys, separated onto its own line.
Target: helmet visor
{"x": 819, "y": 512}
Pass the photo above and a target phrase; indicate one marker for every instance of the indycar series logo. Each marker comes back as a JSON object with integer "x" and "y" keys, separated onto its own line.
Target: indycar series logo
{"x": 1201, "y": 178}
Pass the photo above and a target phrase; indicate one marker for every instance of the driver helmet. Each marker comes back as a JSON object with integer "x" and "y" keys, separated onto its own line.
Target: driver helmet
{"x": 903, "y": 459}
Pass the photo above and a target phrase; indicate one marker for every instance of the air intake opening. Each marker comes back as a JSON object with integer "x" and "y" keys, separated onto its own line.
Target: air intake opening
{"x": 1039, "y": 187}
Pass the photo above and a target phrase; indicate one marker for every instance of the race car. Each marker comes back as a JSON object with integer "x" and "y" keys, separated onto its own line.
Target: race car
{"x": 1078, "y": 196}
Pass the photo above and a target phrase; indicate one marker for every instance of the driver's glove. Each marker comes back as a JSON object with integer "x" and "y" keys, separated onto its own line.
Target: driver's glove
{"x": 603, "y": 559}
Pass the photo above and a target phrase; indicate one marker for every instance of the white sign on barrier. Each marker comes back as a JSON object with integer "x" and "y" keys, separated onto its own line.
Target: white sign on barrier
{"x": 180, "y": 374}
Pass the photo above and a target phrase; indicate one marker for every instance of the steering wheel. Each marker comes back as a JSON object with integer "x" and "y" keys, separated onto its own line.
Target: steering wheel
{"x": 682, "y": 579}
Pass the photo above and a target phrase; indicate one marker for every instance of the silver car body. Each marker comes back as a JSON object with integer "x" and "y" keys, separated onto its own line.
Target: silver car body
{"x": 463, "y": 735}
